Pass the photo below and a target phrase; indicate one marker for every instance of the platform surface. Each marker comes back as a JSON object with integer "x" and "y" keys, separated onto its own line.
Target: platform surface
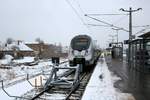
{"x": 101, "y": 85}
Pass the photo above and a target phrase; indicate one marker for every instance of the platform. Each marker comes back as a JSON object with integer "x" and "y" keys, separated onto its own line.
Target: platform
{"x": 101, "y": 85}
{"x": 132, "y": 81}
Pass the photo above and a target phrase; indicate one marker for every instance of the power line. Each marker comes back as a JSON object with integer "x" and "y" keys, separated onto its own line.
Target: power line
{"x": 110, "y": 15}
{"x": 78, "y": 15}
{"x": 82, "y": 11}
{"x": 120, "y": 19}
{"x": 111, "y": 25}
{"x": 75, "y": 11}
{"x": 141, "y": 26}
{"x": 79, "y": 6}
{"x": 98, "y": 25}
{"x": 105, "y": 14}
{"x": 141, "y": 31}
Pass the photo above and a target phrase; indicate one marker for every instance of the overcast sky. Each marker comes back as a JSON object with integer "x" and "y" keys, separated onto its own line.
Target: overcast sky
{"x": 54, "y": 21}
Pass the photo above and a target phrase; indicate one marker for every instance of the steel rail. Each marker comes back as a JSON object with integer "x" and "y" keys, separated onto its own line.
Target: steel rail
{"x": 75, "y": 86}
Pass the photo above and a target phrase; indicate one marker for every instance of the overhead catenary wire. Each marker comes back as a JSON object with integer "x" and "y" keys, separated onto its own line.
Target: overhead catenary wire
{"x": 98, "y": 25}
{"x": 106, "y": 14}
{"x": 79, "y": 6}
{"x": 82, "y": 11}
{"x": 119, "y": 20}
{"x": 142, "y": 31}
{"x": 111, "y": 25}
{"x": 75, "y": 11}
{"x": 78, "y": 15}
{"x": 86, "y": 25}
{"x": 110, "y": 15}
{"x": 141, "y": 26}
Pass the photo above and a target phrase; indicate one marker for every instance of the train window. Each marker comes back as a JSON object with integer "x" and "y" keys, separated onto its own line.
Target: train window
{"x": 80, "y": 43}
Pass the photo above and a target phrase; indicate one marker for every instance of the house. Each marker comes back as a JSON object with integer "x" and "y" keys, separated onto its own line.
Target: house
{"x": 17, "y": 49}
{"x": 44, "y": 50}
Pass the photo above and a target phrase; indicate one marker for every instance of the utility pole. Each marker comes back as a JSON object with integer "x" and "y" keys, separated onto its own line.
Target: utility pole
{"x": 117, "y": 29}
{"x": 130, "y": 11}
{"x": 112, "y": 37}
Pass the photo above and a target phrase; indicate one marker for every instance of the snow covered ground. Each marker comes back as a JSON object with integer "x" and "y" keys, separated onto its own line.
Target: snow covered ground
{"x": 17, "y": 71}
{"x": 15, "y": 81}
{"x": 24, "y": 60}
{"x": 100, "y": 86}
{"x": 19, "y": 89}
{"x": 7, "y": 59}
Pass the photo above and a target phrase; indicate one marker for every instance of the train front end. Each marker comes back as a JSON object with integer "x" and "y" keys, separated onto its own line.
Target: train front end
{"x": 80, "y": 51}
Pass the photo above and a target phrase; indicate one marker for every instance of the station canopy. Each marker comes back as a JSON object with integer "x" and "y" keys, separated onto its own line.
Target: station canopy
{"x": 145, "y": 35}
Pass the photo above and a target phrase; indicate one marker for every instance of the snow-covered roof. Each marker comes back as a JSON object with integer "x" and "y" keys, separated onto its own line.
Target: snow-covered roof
{"x": 24, "y": 47}
{"x": 31, "y": 42}
{"x": 20, "y": 46}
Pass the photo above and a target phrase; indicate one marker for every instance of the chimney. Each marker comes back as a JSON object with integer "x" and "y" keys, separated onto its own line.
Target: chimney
{"x": 5, "y": 44}
{"x": 18, "y": 42}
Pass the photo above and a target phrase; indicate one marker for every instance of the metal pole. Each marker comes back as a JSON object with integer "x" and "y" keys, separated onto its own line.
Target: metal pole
{"x": 130, "y": 36}
{"x": 130, "y": 11}
{"x": 117, "y": 29}
{"x": 112, "y": 38}
{"x": 130, "y": 24}
{"x": 117, "y": 37}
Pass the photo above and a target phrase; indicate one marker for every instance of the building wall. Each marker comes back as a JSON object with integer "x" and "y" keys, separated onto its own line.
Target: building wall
{"x": 47, "y": 50}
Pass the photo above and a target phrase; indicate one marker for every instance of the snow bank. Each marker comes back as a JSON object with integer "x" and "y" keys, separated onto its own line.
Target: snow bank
{"x": 100, "y": 86}
{"x": 24, "y": 60}
{"x": 7, "y": 59}
{"x": 18, "y": 89}
{"x": 15, "y": 90}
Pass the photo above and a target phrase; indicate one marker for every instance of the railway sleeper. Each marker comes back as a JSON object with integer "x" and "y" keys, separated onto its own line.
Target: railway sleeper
{"x": 75, "y": 97}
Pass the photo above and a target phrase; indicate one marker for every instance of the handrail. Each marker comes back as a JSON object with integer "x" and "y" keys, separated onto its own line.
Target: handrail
{"x": 12, "y": 96}
{"x": 31, "y": 83}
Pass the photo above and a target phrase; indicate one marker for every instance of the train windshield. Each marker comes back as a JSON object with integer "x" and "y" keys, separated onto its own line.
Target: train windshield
{"x": 80, "y": 43}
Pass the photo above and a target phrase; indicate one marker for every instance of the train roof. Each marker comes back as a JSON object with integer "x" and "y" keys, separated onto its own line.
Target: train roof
{"x": 82, "y": 36}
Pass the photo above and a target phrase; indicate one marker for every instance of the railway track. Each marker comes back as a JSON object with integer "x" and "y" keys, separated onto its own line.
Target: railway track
{"x": 77, "y": 94}
{"x": 63, "y": 93}
{"x": 33, "y": 91}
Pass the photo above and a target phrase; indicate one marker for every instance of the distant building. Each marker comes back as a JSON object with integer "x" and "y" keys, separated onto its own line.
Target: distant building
{"x": 44, "y": 50}
{"x": 16, "y": 49}
{"x": 65, "y": 49}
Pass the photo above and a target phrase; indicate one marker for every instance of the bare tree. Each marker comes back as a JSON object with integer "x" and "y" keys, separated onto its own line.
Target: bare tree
{"x": 41, "y": 42}
{"x": 9, "y": 40}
